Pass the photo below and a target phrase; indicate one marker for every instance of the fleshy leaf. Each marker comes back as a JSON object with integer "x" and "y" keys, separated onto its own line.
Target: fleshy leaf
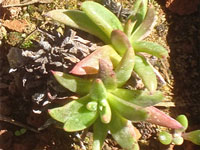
{"x": 160, "y": 118}
{"x": 74, "y": 115}
{"x": 126, "y": 109}
{"x": 151, "y": 48}
{"x": 75, "y": 84}
{"x": 145, "y": 27}
{"x": 102, "y": 17}
{"x": 78, "y": 19}
{"x": 193, "y": 136}
{"x": 177, "y": 139}
{"x": 165, "y": 137}
{"x": 129, "y": 26}
{"x": 146, "y": 73}
{"x": 183, "y": 121}
{"x": 125, "y": 67}
{"x": 123, "y": 132}
{"x": 120, "y": 41}
{"x": 139, "y": 97}
{"x": 100, "y": 131}
{"x": 98, "y": 90}
{"x": 107, "y": 75}
{"x": 105, "y": 111}
{"x": 90, "y": 64}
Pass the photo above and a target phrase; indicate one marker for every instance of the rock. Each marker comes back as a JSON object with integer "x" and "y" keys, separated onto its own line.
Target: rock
{"x": 182, "y": 7}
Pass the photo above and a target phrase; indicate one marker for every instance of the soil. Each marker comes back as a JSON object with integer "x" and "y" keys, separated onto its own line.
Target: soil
{"x": 27, "y": 88}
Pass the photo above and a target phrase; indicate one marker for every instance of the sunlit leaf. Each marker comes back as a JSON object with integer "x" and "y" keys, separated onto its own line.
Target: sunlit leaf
{"x": 74, "y": 115}
{"x": 123, "y": 132}
{"x": 165, "y": 137}
{"x": 139, "y": 97}
{"x": 72, "y": 83}
{"x": 90, "y": 64}
{"x": 145, "y": 27}
{"x": 193, "y": 136}
{"x": 78, "y": 19}
{"x": 160, "y": 118}
{"x": 105, "y": 111}
{"x": 100, "y": 131}
{"x": 151, "y": 48}
{"x": 126, "y": 109}
{"x": 146, "y": 73}
{"x": 102, "y": 17}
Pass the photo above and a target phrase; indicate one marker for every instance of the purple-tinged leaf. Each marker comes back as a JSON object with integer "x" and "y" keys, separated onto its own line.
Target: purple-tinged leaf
{"x": 139, "y": 97}
{"x": 146, "y": 73}
{"x": 74, "y": 115}
{"x": 123, "y": 132}
{"x": 126, "y": 109}
{"x": 120, "y": 42}
{"x": 90, "y": 64}
{"x": 145, "y": 27}
{"x": 150, "y": 48}
{"x": 193, "y": 136}
{"x": 102, "y": 17}
{"x": 107, "y": 75}
{"x": 160, "y": 118}
{"x": 100, "y": 131}
{"x": 78, "y": 19}
{"x": 72, "y": 83}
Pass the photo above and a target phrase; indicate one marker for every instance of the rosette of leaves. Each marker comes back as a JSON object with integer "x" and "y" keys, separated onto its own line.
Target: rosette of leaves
{"x": 106, "y": 105}
{"x": 99, "y": 21}
{"x": 179, "y": 135}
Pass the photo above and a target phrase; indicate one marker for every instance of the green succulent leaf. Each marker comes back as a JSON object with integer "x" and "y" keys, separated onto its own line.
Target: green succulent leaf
{"x": 139, "y": 97}
{"x": 151, "y": 48}
{"x": 100, "y": 132}
{"x": 90, "y": 64}
{"x": 92, "y": 106}
{"x": 125, "y": 67}
{"x": 146, "y": 73}
{"x": 126, "y": 109}
{"x": 165, "y": 137}
{"x": 178, "y": 139}
{"x": 160, "y": 118}
{"x": 98, "y": 90}
{"x": 120, "y": 41}
{"x": 145, "y": 27}
{"x": 78, "y": 19}
{"x": 75, "y": 84}
{"x": 105, "y": 111}
{"x": 129, "y": 26}
{"x": 102, "y": 17}
{"x": 123, "y": 132}
{"x": 107, "y": 75}
{"x": 193, "y": 136}
{"x": 74, "y": 115}
{"x": 183, "y": 121}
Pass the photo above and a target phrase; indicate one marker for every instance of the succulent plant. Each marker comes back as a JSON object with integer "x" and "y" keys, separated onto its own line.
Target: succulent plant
{"x": 179, "y": 135}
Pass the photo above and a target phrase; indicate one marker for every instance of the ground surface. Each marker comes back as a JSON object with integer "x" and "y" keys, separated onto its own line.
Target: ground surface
{"x": 23, "y": 92}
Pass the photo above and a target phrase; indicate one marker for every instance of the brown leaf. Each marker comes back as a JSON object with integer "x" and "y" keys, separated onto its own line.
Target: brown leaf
{"x": 16, "y": 25}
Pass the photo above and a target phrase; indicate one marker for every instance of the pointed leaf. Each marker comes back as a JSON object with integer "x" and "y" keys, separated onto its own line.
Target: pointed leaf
{"x": 79, "y": 20}
{"x": 139, "y": 97}
{"x": 125, "y": 67}
{"x": 98, "y": 90}
{"x": 120, "y": 41}
{"x": 102, "y": 17}
{"x": 123, "y": 132}
{"x": 151, "y": 48}
{"x": 145, "y": 27}
{"x": 126, "y": 109}
{"x": 107, "y": 75}
{"x": 104, "y": 111}
{"x": 100, "y": 131}
{"x": 193, "y": 136}
{"x": 74, "y": 115}
{"x": 90, "y": 64}
{"x": 160, "y": 118}
{"x": 146, "y": 73}
{"x": 72, "y": 83}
